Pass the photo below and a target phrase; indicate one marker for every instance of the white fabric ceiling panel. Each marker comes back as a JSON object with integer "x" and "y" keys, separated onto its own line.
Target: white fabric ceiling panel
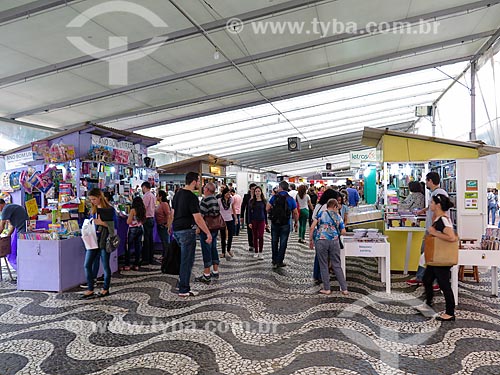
{"x": 220, "y": 81}
{"x": 13, "y": 61}
{"x": 51, "y": 88}
{"x": 257, "y": 42}
{"x": 81, "y": 114}
{"x": 466, "y": 49}
{"x": 49, "y": 27}
{"x": 136, "y": 26}
{"x": 224, "y": 8}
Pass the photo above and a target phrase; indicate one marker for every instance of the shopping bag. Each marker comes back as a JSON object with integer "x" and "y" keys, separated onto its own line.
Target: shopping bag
{"x": 439, "y": 252}
{"x": 5, "y": 246}
{"x": 89, "y": 235}
{"x": 171, "y": 263}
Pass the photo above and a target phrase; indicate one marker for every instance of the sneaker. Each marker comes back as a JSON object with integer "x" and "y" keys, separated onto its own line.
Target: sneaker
{"x": 230, "y": 253}
{"x": 191, "y": 293}
{"x": 275, "y": 266}
{"x": 436, "y": 288}
{"x": 414, "y": 282}
{"x": 214, "y": 275}
{"x": 251, "y": 248}
{"x": 261, "y": 257}
{"x": 86, "y": 286}
{"x": 203, "y": 279}
{"x": 256, "y": 255}
{"x": 281, "y": 265}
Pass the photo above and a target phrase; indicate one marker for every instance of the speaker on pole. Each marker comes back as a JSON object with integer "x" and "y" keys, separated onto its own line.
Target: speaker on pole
{"x": 328, "y": 166}
{"x": 293, "y": 144}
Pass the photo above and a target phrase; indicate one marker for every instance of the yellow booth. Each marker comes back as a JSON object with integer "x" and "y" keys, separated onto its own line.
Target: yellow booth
{"x": 409, "y": 157}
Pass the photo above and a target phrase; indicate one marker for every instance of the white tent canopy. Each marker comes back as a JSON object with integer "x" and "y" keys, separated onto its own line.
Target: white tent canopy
{"x": 205, "y": 88}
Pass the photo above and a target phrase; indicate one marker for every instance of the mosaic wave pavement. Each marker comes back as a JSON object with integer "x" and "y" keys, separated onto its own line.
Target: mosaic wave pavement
{"x": 253, "y": 320}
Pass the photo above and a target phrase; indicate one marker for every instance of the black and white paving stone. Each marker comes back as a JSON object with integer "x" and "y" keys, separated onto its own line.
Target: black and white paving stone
{"x": 254, "y": 320}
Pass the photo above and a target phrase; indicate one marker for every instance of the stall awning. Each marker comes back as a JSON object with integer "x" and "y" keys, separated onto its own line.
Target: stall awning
{"x": 207, "y": 158}
{"x": 403, "y": 147}
{"x": 102, "y": 131}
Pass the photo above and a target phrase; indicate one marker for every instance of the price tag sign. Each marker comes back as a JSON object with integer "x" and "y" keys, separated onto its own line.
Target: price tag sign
{"x": 32, "y": 207}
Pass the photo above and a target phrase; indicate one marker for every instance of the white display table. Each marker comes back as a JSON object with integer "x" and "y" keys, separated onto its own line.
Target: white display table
{"x": 409, "y": 237}
{"x": 482, "y": 258}
{"x": 380, "y": 250}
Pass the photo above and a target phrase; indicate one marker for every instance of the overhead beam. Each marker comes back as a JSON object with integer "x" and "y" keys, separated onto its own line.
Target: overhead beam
{"x": 342, "y": 38}
{"x": 167, "y": 38}
{"x": 300, "y": 77}
{"x": 486, "y": 46}
{"x": 28, "y": 125}
{"x": 27, "y": 10}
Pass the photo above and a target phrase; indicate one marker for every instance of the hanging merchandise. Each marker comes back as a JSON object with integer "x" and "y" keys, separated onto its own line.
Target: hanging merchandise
{"x": 41, "y": 150}
{"x": 60, "y": 153}
{"x": 5, "y": 182}
{"x": 14, "y": 181}
{"x": 45, "y": 180}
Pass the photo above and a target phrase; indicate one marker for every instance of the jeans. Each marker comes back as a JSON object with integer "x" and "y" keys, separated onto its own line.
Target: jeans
{"x": 492, "y": 211}
{"x": 279, "y": 240}
{"x": 316, "y": 270}
{"x": 442, "y": 274}
{"x": 230, "y": 233}
{"x": 209, "y": 251}
{"x": 258, "y": 228}
{"x": 237, "y": 225}
{"x": 187, "y": 241}
{"x": 330, "y": 249}
{"x": 134, "y": 239}
{"x": 148, "y": 248}
{"x": 304, "y": 216}
{"x": 165, "y": 238}
{"x": 90, "y": 259}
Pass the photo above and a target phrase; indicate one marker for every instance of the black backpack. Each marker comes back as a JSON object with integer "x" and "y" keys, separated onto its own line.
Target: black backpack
{"x": 280, "y": 213}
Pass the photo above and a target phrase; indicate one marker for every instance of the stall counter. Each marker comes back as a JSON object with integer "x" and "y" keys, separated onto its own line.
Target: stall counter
{"x": 405, "y": 247}
{"x": 53, "y": 266}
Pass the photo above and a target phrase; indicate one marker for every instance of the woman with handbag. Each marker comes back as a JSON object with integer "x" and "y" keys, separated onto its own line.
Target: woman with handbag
{"x": 104, "y": 228}
{"x": 441, "y": 228}
{"x": 257, "y": 215}
{"x": 330, "y": 227}
{"x": 135, "y": 219}
{"x": 228, "y": 214}
{"x": 162, "y": 215}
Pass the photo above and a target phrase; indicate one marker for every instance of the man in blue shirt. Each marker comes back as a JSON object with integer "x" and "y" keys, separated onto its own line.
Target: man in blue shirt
{"x": 14, "y": 214}
{"x": 352, "y": 194}
{"x": 281, "y": 206}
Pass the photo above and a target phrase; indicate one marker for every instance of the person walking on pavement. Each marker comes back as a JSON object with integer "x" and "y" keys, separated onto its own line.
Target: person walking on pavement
{"x": 432, "y": 181}
{"x": 244, "y": 214}
{"x": 209, "y": 206}
{"x": 149, "y": 202}
{"x": 237, "y": 201}
{"x": 281, "y": 206}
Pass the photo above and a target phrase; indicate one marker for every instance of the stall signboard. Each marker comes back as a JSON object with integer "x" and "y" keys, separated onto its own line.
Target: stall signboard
{"x": 31, "y": 207}
{"x": 364, "y": 156}
{"x": 18, "y": 159}
{"x": 471, "y": 185}
{"x": 471, "y": 200}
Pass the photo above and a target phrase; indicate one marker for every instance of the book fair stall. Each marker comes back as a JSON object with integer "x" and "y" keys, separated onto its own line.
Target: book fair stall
{"x": 51, "y": 178}
{"x": 409, "y": 157}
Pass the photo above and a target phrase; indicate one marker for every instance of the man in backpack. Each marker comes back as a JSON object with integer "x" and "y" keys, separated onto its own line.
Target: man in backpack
{"x": 281, "y": 206}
